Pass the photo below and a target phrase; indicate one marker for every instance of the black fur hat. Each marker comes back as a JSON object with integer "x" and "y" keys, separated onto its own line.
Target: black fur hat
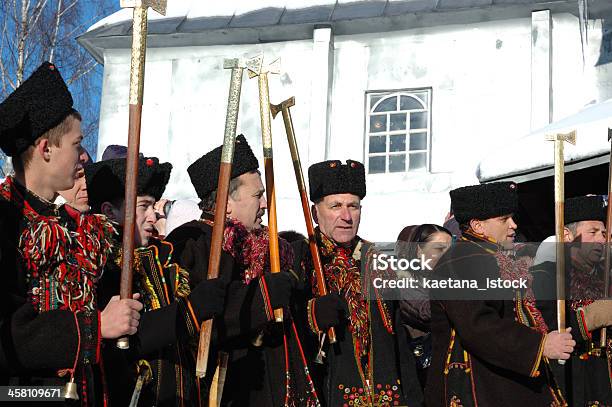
{"x": 484, "y": 201}
{"x": 38, "y": 105}
{"x": 581, "y": 208}
{"x": 204, "y": 172}
{"x": 106, "y": 179}
{"x": 333, "y": 177}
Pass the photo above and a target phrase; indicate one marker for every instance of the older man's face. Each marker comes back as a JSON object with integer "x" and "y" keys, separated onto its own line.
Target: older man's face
{"x": 248, "y": 204}
{"x": 338, "y": 217}
{"x": 590, "y": 238}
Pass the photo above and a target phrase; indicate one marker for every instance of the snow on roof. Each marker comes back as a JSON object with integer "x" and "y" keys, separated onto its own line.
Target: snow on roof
{"x": 198, "y": 15}
{"x": 201, "y": 23}
{"x": 532, "y": 153}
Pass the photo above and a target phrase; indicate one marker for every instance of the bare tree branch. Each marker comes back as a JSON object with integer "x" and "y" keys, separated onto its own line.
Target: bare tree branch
{"x": 15, "y": 9}
{"x": 58, "y": 17}
{"x": 3, "y": 71}
{"x": 37, "y": 12}
{"x": 71, "y": 5}
{"x": 21, "y": 42}
{"x": 35, "y": 30}
{"x": 82, "y": 72}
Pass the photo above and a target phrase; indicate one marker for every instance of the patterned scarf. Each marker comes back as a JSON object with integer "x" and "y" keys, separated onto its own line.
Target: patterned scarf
{"x": 585, "y": 286}
{"x": 250, "y": 249}
{"x": 513, "y": 270}
{"x": 63, "y": 266}
{"x": 343, "y": 276}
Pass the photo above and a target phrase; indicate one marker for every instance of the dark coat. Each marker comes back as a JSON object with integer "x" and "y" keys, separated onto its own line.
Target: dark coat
{"x": 35, "y": 345}
{"x": 256, "y": 374}
{"x": 165, "y": 335}
{"x": 339, "y": 378}
{"x": 481, "y": 354}
{"x": 585, "y": 378}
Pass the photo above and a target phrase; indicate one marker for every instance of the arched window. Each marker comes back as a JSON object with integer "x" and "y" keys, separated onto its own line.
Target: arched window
{"x": 398, "y": 131}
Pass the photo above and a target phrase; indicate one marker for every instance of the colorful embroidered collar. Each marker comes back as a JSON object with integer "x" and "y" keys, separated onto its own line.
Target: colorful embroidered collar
{"x": 63, "y": 253}
{"x": 250, "y": 249}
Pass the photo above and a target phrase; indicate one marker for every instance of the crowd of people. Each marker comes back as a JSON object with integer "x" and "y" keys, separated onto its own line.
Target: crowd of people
{"x": 61, "y": 223}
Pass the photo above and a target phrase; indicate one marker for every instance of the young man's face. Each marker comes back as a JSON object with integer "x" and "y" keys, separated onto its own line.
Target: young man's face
{"x": 590, "y": 238}
{"x": 145, "y": 218}
{"x": 502, "y": 229}
{"x": 65, "y": 161}
{"x": 248, "y": 204}
{"x": 338, "y": 216}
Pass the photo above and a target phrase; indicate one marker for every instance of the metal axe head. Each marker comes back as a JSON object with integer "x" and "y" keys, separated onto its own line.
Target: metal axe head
{"x": 157, "y": 5}
{"x": 256, "y": 66}
{"x": 231, "y": 63}
{"x": 285, "y": 104}
{"x": 567, "y": 137}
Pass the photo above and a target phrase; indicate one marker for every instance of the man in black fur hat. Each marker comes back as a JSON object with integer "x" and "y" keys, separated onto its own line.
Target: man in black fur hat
{"x": 366, "y": 366}
{"x": 488, "y": 346}
{"x": 585, "y": 380}
{"x": 173, "y": 311}
{"x": 266, "y": 366}
{"x": 51, "y": 256}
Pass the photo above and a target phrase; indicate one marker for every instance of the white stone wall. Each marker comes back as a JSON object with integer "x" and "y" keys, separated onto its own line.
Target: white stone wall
{"x": 480, "y": 75}
{"x": 476, "y": 74}
{"x": 184, "y": 111}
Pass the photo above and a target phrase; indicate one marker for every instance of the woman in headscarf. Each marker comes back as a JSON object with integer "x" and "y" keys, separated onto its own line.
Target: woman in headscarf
{"x": 426, "y": 241}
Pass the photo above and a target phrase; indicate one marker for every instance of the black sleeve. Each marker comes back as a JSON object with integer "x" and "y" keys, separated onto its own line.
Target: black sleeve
{"x": 49, "y": 340}
{"x": 415, "y": 313}
{"x": 299, "y": 308}
{"x": 411, "y": 387}
{"x": 478, "y": 322}
{"x": 30, "y": 340}
{"x": 157, "y": 329}
{"x": 245, "y": 310}
{"x": 544, "y": 286}
{"x": 302, "y": 264}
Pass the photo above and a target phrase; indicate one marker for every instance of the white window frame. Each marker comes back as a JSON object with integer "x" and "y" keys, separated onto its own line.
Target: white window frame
{"x": 370, "y": 112}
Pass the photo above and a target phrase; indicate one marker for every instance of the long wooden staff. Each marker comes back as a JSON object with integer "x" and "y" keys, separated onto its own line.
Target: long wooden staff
{"x": 299, "y": 177}
{"x": 256, "y": 69}
{"x": 225, "y": 173}
{"x": 603, "y": 336}
{"x": 139, "y": 49}
{"x": 559, "y": 139}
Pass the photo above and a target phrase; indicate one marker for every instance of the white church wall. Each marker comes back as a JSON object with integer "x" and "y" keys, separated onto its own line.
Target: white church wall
{"x": 479, "y": 75}
{"x": 184, "y": 110}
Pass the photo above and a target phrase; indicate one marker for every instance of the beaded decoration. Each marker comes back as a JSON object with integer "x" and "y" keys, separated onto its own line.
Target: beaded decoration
{"x": 382, "y": 395}
{"x": 63, "y": 268}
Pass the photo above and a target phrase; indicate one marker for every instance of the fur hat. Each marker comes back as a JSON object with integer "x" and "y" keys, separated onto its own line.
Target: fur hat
{"x": 38, "y": 105}
{"x": 333, "y": 177}
{"x": 106, "y": 179}
{"x": 591, "y": 207}
{"x": 204, "y": 172}
{"x": 484, "y": 201}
